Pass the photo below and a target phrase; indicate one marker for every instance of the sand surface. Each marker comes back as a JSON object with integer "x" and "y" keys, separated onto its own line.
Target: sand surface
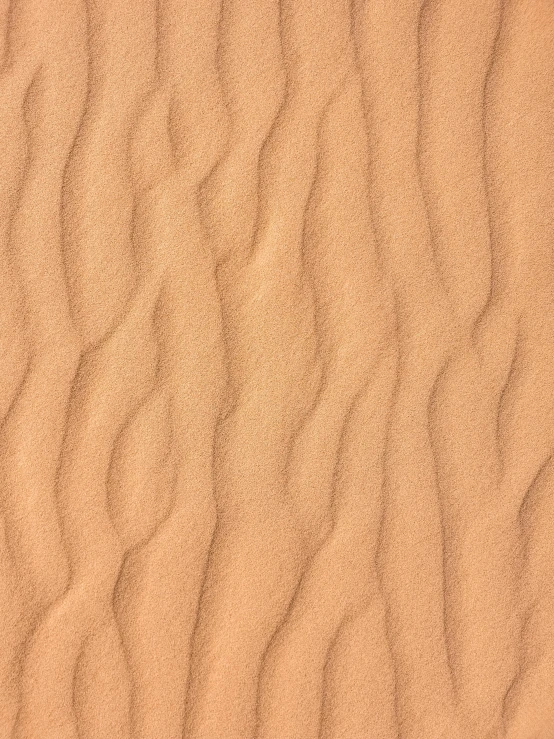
{"x": 276, "y": 369}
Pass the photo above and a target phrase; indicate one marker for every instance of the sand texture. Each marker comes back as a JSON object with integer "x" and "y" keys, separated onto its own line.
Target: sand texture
{"x": 277, "y": 369}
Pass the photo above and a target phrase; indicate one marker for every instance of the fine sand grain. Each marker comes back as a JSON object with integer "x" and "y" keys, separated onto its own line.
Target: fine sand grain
{"x": 277, "y": 369}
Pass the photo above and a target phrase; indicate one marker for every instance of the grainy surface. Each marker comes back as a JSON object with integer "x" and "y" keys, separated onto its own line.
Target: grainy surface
{"x": 277, "y": 369}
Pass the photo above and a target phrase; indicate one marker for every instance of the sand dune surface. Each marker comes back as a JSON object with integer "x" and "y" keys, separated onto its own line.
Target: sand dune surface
{"x": 277, "y": 369}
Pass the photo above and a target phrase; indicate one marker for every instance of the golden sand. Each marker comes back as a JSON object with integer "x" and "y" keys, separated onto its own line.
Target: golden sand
{"x": 277, "y": 369}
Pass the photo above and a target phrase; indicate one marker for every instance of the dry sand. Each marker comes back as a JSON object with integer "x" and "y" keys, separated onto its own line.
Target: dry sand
{"x": 277, "y": 369}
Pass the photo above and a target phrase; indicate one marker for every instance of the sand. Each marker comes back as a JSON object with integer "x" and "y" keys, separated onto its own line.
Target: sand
{"x": 277, "y": 369}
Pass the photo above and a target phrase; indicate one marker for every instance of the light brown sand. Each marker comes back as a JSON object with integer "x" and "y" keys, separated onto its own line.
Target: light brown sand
{"x": 277, "y": 369}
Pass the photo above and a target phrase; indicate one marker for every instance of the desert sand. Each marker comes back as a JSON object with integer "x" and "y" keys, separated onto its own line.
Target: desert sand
{"x": 277, "y": 369}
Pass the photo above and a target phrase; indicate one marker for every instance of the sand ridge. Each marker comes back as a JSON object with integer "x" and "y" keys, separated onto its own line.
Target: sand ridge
{"x": 276, "y": 396}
